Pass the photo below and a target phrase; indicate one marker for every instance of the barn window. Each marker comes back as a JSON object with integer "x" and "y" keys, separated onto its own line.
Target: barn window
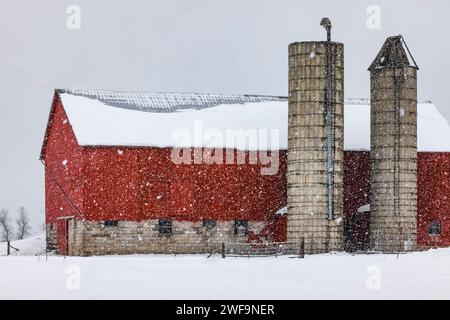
{"x": 240, "y": 227}
{"x": 111, "y": 223}
{"x": 165, "y": 227}
{"x": 434, "y": 228}
{"x": 209, "y": 224}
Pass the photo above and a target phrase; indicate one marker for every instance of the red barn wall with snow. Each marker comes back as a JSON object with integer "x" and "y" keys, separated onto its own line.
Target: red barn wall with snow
{"x": 433, "y": 197}
{"x": 356, "y": 180}
{"x": 356, "y": 194}
{"x": 60, "y": 147}
{"x": 129, "y": 183}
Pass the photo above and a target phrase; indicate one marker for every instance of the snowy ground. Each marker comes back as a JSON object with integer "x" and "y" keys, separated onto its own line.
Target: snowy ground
{"x": 31, "y": 246}
{"x": 424, "y": 275}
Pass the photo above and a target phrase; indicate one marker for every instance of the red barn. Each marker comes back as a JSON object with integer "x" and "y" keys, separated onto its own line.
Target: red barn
{"x": 142, "y": 172}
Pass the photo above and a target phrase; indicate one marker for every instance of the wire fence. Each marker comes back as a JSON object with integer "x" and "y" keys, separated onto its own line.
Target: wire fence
{"x": 8, "y": 248}
{"x": 308, "y": 246}
{"x": 263, "y": 249}
{"x": 299, "y": 249}
{"x": 235, "y": 249}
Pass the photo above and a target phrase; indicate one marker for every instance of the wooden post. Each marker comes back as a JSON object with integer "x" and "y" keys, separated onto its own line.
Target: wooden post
{"x": 401, "y": 242}
{"x": 223, "y": 250}
{"x": 8, "y": 248}
{"x": 46, "y": 242}
{"x": 301, "y": 248}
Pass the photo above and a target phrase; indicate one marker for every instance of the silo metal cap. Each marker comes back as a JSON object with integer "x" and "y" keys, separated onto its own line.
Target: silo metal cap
{"x": 393, "y": 53}
{"x": 326, "y": 23}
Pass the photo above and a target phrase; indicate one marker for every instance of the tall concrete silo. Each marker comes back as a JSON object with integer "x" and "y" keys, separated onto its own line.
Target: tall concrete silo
{"x": 315, "y": 144}
{"x": 393, "y": 208}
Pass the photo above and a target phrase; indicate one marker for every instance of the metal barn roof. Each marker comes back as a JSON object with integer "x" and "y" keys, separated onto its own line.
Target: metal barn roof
{"x": 166, "y": 101}
{"x": 170, "y": 101}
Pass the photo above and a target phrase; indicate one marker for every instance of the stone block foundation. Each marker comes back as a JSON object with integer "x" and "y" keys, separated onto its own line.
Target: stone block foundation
{"x": 86, "y": 238}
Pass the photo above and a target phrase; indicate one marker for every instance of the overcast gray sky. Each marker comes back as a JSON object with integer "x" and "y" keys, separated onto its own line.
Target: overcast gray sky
{"x": 228, "y": 46}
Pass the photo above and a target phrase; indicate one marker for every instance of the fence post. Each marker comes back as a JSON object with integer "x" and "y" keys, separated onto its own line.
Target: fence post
{"x": 223, "y": 250}
{"x": 8, "y": 248}
{"x": 301, "y": 248}
{"x": 400, "y": 246}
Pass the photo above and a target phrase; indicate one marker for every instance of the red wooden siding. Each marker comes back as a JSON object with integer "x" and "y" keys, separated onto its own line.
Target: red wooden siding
{"x": 433, "y": 183}
{"x": 356, "y": 194}
{"x": 143, "y": 183}
{"x": 182, "y": 197}
{"x": 156, "y": 198}
{"x": 63, "y": 162}
{"x": 356, "y": 181}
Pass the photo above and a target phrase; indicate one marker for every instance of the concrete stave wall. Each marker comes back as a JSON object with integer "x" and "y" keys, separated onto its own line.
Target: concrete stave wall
{"x": 394, "y": 213}
{"x": 307, "y": 156}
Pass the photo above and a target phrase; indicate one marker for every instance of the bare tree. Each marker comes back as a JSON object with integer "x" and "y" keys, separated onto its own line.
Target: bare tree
{"x": 5, "y": 226}
{"x": 23, "y": 224}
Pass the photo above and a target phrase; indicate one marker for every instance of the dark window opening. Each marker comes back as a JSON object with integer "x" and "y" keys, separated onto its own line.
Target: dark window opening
{"x": 209, "y": 224}
{"x": 434, "y": 228}
{"x": 240, "y": 227}
{"x": 165, "y": 227}
{"x": 111, "y": 223}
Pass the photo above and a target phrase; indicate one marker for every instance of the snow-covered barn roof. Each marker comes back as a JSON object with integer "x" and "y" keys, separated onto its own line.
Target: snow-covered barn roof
{"x": 166, "y": 101}
{"x": 112, "y": 118}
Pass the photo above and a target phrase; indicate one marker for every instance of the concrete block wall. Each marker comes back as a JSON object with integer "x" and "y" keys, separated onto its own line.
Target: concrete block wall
{"x": 307, "y": 147}
{"x": 88, "y": 238}
{"x": 394, "y": 159}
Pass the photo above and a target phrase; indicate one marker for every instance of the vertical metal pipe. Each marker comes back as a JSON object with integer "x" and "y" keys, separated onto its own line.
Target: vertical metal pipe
{"x": 329, "y": 118}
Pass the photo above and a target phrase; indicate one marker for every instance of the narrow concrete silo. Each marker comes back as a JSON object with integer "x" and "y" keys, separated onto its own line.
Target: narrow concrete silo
{"x": 315, "y": 144}
{"x": 393, "y": 208}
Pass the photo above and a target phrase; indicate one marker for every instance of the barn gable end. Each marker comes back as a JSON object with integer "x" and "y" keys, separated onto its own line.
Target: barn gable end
{"x": 62, "y": 158}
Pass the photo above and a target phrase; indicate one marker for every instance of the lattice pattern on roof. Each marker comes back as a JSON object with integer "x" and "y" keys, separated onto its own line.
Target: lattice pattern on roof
{"x": 170, "y": 102}
{"x": 167, "y": 102}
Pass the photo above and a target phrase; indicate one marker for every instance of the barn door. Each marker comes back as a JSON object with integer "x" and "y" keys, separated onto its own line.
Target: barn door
{"x": 62, "y": 232}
